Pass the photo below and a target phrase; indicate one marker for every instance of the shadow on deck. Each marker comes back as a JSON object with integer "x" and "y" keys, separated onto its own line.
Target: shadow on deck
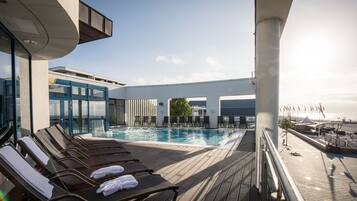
{"x": 203, "y": 173}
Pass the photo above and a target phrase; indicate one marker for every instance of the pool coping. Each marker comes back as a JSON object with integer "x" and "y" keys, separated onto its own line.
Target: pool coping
{"x": 232, "y": 147}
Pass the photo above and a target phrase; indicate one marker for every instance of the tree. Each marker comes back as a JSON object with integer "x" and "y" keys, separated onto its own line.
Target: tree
{"x": 286, "y": 124}
{"x": 180, "y": 107}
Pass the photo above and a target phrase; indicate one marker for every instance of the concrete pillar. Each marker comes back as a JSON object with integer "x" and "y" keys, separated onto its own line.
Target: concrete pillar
{"x": 24, "y": 96}
{"x": 40, "y": 95}
{"x": 163, "y": 109}
{"x": 267, "y": 80}
{"x": 213, "y": 110}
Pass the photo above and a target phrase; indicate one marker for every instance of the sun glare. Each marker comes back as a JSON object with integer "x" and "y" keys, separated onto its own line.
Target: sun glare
{"x": 312, "y": 53}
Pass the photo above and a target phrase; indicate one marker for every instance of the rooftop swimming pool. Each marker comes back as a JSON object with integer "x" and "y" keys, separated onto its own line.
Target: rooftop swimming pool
{"x": 216, "y": 137}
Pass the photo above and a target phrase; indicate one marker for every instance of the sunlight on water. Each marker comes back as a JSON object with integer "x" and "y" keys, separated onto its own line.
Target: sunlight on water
{"x": 178, "y": 135}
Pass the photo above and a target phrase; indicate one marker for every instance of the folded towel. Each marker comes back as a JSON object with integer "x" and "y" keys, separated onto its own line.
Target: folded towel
{"x": 117, "y": 184}
{"x": 102, "y": 172}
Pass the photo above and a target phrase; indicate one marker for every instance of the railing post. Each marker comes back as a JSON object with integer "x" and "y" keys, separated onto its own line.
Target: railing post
{"x": 264, "y": 181}
{"x": 279, "y": 193}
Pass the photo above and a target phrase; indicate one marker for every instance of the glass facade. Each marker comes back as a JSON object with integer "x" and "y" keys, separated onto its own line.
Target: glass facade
{"x": 15, "y": 82}
{"x": 78, "y": 107}
{"x": 117, "y": 112}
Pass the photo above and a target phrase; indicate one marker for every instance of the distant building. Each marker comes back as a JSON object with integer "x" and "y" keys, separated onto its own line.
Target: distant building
{"x": 80, "y": 100}
{"x": 244, "y": 107}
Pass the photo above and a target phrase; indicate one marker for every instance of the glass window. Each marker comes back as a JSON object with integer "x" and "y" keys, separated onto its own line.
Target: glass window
{"x": 6, "y": 95}
{"x": 108, "y": 27}
{"x": 116, "y": 112}
{"x": 97, "y": 93}
{"x": 23, "y": 115}
{"x": 83, "y": 13}
{"x": 97, "y": 20}
{"x": 97, "y": 109}
{"x": 58, "y": 89}
{"x": 79, "y": 91}
{"x": 80, "y": 116}
{"x": 75, "y": 91}
{"x": 55, "y": 111}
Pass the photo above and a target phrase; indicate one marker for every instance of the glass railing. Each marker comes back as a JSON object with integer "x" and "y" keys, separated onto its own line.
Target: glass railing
{"x": 93, "y": 20}
{"x": 276, "y": 182}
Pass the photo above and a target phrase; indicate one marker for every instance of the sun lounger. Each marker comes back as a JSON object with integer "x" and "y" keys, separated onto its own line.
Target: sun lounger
{"x": 64, "y": 144}
{"x": 75, "y": 157}
{"x": 33, "y": 185}
{"x": 50, "y": 167}
{"x": 87, "y": 143}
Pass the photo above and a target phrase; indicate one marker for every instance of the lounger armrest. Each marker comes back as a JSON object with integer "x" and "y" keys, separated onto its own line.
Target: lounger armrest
{"x": 77, "y": 160}
{"x": 81, "y": 139}
{"x": 75, "y": 172}
{"x": 76, "y": 151}
{"x": 79, "y": 143}
{"x": 73, "y": 175}
{"x": 72, "y": 195}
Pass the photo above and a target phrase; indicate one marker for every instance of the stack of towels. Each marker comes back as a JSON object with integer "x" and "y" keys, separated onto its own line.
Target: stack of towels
{"x": 117, "y": 184}
{"x": 114, "y": 185}
{"x": 102, "y": 172}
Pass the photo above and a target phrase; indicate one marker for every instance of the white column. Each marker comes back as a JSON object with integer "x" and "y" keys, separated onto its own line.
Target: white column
{"x": 267, "y": 80}
{"x": 163, "y": 109}
{"x": 40, "y": 95}
{"x": 24, "y": 97}
{"x": 213, "y": 110}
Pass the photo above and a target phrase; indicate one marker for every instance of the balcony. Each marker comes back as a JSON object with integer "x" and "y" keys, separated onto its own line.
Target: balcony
{"x": 92, "y": 24}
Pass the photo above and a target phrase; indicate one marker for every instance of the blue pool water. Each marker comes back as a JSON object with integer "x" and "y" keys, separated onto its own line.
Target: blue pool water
{"x": 177, "y": 135}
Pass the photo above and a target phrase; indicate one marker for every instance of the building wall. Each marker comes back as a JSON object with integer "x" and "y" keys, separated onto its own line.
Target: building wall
{"x": 186, "y": 90}
{"x": 56, "y": 75}
{"x": 139, "y": 107}
{"x": 212, "y": 90}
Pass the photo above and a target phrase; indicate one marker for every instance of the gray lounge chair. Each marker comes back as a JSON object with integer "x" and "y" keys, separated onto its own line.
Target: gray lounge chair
{"x": 31, "y": 185}
{"x": 72, "y": 156}
{"x": 50, "y": 167}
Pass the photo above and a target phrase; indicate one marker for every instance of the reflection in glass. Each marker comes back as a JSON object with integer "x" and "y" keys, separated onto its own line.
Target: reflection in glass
{"x": 22, "y": 91}
{"x": 97, "y": 93}
{"x": 59, "y": 89}
{"x": 117, "y": 112}
{"x": 55, "y": 111}
{"x": 80, "y": 116}
{"x": 6, "y": 96}
{"x": 97, "y": 109}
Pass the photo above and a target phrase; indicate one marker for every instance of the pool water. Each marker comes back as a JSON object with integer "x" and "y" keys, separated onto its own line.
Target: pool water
{"x": 216, "y": 137}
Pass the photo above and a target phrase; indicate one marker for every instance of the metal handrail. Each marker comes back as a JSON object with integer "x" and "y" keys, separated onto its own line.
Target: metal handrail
{"x": 285, "y": 182}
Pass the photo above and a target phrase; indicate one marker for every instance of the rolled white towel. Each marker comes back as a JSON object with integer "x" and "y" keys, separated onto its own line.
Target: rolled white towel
{"x": 102, "y": 172}
{"x": 117, "y": 184}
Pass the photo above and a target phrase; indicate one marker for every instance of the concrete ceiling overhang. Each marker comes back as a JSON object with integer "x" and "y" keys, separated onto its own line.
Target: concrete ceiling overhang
{"x": 47, "y": 28}
{"x": 267, "y": 9}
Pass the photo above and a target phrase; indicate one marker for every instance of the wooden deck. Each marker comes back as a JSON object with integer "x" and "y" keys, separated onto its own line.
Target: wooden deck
{"x": 203, "y": 173}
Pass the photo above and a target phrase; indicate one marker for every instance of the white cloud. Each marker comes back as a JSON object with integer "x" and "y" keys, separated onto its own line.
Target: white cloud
{"x": 213, "y": 62}
{"x": 169, "y": 59}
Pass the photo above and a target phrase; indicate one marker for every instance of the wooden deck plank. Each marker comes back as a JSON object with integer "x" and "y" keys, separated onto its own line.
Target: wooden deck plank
{"x": 233, "y": 193}
{"x": 194, "y": 189}
{"x": 245, "y": 187}
{"x": 201, "y": 173}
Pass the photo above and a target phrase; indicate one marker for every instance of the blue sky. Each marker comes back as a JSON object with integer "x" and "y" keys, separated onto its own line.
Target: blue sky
{"x": 167, "y": 41}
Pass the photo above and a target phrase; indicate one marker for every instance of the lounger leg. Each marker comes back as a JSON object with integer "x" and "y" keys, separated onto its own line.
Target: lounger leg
{"x": 175, "y": 195}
